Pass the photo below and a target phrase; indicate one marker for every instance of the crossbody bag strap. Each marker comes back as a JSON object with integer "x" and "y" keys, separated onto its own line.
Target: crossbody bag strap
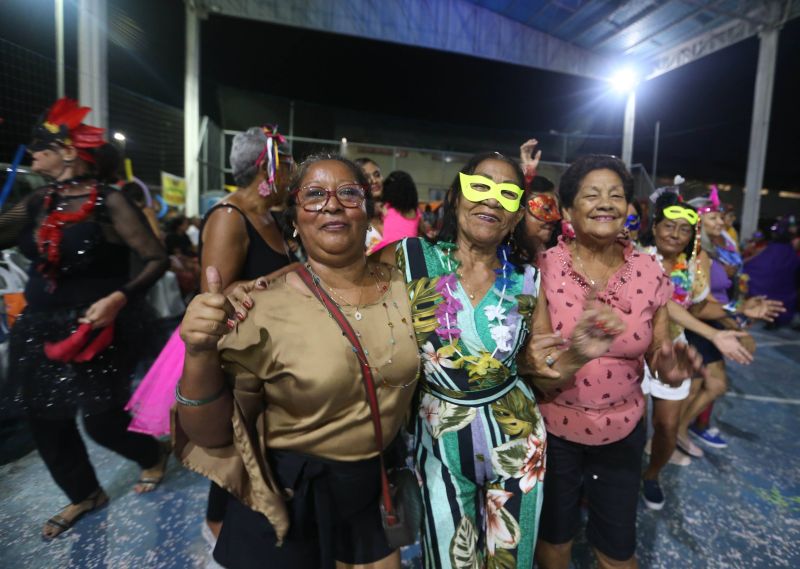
{"x": 366, "y": 373}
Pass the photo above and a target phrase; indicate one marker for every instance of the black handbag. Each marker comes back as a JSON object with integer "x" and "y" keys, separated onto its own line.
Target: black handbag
{"x": 401, "y": 498}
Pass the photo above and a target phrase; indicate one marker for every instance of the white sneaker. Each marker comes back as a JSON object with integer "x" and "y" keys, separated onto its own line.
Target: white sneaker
{"x": 690, "y": 448}
{"x": 680, "y": 458}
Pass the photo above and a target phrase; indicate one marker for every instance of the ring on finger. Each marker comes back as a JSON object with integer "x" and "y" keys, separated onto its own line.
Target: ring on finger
{"x": 549, "y": 360}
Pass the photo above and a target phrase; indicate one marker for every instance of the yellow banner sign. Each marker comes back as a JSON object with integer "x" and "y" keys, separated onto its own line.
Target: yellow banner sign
{"x": 173, "y": 189}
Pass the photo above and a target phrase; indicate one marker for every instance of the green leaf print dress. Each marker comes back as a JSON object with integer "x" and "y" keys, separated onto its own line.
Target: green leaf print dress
{"x": 480, "y": 437}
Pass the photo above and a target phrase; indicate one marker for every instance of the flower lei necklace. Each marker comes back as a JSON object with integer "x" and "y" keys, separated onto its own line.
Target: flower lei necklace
{"x": 682, "y": 275}
{"x": 447, "y": 311}
{"x": 51, "y": 232}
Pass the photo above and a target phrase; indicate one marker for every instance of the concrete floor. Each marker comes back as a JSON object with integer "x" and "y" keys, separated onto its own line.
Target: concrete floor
{"x": 736, "y": 508}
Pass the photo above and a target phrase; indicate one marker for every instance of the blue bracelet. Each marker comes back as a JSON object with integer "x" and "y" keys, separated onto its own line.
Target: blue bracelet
{"x": 197, "y": 402}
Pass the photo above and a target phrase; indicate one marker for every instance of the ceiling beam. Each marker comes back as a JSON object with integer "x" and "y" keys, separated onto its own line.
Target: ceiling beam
{"x": 722, "y": 36}
{"x": 628, "y": 25}
{"x": 456, "y": 26}
{"x": 671, "y": 25}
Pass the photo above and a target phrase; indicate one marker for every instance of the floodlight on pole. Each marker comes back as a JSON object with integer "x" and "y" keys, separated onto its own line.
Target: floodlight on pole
{"x": 625, "y": 80}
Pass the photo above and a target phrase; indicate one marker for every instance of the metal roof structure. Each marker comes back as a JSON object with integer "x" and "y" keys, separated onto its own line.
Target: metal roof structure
{"x": 589, "y": 38}
{"x": 657, "y": 35}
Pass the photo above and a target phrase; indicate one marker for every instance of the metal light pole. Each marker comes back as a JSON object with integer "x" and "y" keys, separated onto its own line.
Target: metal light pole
{"x": 655, "y": 150}
{"x": 627, "y": 132}
{"x": 191, "y": 110}
{"x": 59, "y": 10}
{"x": 92, "y": 59}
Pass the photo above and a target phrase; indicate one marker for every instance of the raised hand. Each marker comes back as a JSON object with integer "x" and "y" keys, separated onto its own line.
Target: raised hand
{"x": 676, "y": 362}
{"x": 208, "y": 317}
{"x": 529, "y": 157}
{"x": 727, "y": 342}
{"x": 595, "y": 331}
{"x": 762, "y": 308}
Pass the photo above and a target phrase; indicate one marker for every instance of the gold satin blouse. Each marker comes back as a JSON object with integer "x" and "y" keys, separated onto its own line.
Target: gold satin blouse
{"x": 297, "y": 386}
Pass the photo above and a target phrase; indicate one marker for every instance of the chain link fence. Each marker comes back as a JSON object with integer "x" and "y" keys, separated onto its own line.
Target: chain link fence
{"x": 153, "y": 131}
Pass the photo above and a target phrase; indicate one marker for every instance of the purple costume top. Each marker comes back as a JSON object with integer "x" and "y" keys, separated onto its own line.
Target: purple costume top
{"x": 720, "y": 282}
{"x": 773, "y": 273}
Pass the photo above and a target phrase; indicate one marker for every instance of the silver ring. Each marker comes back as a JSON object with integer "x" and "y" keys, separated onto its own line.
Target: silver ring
{"x": 549, "y": 360}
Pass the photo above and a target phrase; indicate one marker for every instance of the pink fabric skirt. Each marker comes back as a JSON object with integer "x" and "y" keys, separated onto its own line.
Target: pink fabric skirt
{"x": 151, "y": 402}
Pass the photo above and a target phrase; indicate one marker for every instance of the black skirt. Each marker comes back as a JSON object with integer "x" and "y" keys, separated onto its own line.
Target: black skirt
{"x": 334, "y": 516}
{"x": 708, "y": 351}
{"x": 39, "y": 387}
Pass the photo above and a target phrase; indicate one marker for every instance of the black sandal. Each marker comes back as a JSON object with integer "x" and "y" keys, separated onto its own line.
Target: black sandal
{"x": 97, "y": 500}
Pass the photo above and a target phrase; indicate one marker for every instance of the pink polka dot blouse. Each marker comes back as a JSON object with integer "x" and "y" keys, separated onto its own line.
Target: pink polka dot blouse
{"x": 605, "y": 401}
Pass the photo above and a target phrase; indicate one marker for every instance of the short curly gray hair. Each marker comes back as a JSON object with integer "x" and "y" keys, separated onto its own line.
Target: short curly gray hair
{"x": 246, "y": 148}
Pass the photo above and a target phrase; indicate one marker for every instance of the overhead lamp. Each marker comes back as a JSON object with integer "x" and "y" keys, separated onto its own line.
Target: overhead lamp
{"x": 118, "y": 136}
{"x": 625, "y": 80}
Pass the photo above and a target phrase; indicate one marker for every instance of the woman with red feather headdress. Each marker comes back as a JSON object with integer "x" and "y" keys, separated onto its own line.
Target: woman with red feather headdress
{"x": 74, "y": 348}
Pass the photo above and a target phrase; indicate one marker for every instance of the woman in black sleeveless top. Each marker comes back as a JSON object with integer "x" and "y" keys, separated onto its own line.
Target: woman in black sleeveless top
{"x": 242, "y": 238}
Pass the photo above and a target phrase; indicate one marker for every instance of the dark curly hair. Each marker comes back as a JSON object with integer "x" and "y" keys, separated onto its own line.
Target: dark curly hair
{"x": 400, "y": 191}
{"x": 449, "y": 229}
{"x": 582, "y": 166}
{"x": 290, "y": 215}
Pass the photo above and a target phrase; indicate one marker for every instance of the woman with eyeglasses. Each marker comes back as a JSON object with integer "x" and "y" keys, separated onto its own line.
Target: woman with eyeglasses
{"x": 277, "y": 413}
{"x": 480, "y": 436}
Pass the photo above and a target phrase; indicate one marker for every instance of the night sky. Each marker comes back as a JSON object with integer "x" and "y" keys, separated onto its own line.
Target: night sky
{"x": 704, "y": 107}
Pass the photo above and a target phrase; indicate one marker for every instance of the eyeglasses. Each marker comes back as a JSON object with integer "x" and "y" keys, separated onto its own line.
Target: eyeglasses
{"x": 315, "y": 198}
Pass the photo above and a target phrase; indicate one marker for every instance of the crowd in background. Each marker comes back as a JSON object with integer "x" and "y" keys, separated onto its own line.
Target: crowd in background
{"x": 520, "y": 325}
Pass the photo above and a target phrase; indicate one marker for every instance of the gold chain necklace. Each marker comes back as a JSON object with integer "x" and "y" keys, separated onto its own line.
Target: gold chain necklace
{"x": 392, "y": 340}
{"x": 357, "y": 315}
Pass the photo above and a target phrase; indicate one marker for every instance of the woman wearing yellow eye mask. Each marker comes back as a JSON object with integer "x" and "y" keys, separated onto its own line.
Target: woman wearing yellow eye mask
{"x": 671, "y": 239}
{"x": 480, "y": 437}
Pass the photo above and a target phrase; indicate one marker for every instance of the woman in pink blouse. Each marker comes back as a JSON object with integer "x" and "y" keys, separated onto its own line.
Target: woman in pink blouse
{"x": 608, "y": 301}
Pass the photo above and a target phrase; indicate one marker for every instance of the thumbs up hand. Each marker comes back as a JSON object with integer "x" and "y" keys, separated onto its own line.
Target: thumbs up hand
{"x": 208, "y": 317}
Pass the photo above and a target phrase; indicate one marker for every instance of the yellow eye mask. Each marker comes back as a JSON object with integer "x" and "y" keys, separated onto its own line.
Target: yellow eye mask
{"x": 478, "y": 188}
{"x": 680, "y": 212}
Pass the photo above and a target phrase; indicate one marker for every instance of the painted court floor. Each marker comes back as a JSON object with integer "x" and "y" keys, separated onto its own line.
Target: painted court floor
{"x": 736, "y": 508}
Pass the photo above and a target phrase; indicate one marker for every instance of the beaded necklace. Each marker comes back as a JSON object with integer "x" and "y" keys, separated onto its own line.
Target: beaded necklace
{"x": 383, "y": 289}
{"x": 51, "y": 232}
{"x": 586, "y": 285}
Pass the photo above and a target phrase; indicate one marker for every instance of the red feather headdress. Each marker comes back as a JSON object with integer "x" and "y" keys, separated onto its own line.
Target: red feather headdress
{"x": 63, "y": 125}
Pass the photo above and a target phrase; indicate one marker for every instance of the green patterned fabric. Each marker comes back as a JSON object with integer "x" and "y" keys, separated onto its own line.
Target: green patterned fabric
{"x": 480, "y": 438}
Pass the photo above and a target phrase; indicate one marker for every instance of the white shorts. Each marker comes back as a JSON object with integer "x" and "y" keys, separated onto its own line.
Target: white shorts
{"x": 662, "y": 390}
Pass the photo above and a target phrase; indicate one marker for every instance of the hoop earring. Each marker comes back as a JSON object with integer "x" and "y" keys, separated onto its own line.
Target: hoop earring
{"x": 294, "y": 234}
